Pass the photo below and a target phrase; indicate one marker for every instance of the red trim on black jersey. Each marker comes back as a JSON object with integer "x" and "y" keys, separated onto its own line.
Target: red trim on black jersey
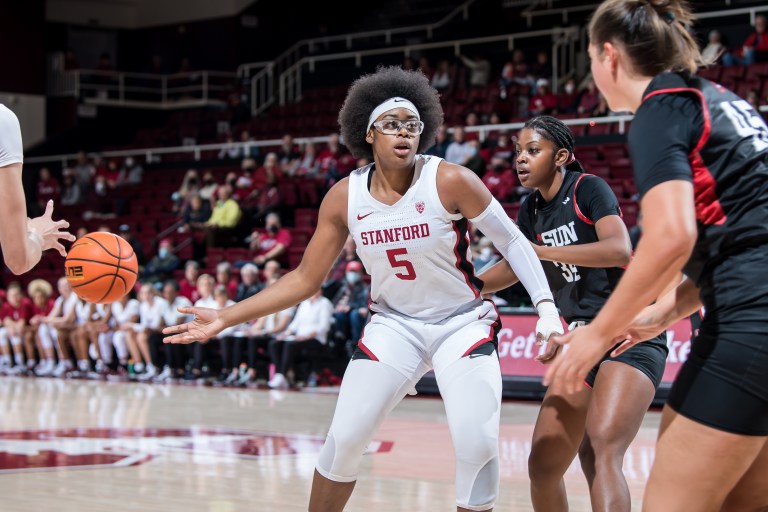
{"x": 709, "y": 211}
{"x": 462, "y": 263}
{"x": 583, "y": 217}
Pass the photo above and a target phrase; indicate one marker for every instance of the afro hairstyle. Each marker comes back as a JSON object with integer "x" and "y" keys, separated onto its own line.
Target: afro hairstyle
{"x": 369, "y": 91}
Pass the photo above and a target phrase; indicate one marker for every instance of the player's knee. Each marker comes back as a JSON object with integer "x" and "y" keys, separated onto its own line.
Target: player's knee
{"x": 342, "y": 452}
{"x": 605, "y": 445}
{"x": 477, "y": 485}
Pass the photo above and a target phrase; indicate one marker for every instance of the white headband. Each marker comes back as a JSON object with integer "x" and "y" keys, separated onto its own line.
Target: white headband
{"x": 390, "y": 104}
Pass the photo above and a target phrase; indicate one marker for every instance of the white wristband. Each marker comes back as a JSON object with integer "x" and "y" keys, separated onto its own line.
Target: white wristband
{"x": 546, "y": 308}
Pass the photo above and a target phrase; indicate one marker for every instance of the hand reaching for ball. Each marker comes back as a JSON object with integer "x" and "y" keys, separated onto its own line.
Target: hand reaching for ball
{"x": 50, "y": 231}
{"x": 206, "y": 325}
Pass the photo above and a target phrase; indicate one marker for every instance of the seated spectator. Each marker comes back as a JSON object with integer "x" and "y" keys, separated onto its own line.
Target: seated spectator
{"x": 248, "y": 149}
{"x": 265, "y": 181}
{"x": 441, "y": 79}
{"x": 209, "y": 187}
{"x": 568, "y": 99}
{"x": 272, "y": 243}
{"x": 753, "y": 98}
{"x": 754, "y": 49}
{"x": 351, "y": 306}
{"x": 41, "y": 293}
{"x": 471, "y": 119}
{"x": 486, "y": 254}
{"x": 441, "y": 142}
{"x": 288, "y": 157}
{"x": 459, "y": 151}
{"x": 337, "y": 274}
{"x": 329, "y": 157}
{"x": 239, "y": 110}
{"x": 243, "y": 189}
{"x": 231, "y": 150}
{"x": 475, "y": 163}
{"x": 589, "y": 99}
{"x": 149, "y": 335}
{"x": 48, "y": 189}
{"x": 195, "y": 214}
{"x": 160, "y": 268}
{"x": 307, "y": 332}
{"x": 131, "y": 173}
{"x": 125, "y": 321}
{"x": 601, "y": 110}
{"x": 101, "y": 197}
{"x": 426, "y": 68}
{"x": 480, "y": 70}
{"x": 271, "y": 270}
{"x": 174, "y": 354}
{"x": 124, "y": 230}
{"x": 226, "y": 337}
{"x": 188, "y": 285}
{"x": 16, "y": 314}
{"x": 205, "y": 285}
{"x": 543, "y": 67}
{"x": 83, "y": 170}
{"x": 500, "y": 178}
{"x": 61, "y": 326}
{"x": 505, "y": 147}
{"x": 543, "y": 102}
{"x": 189, "y": 185}
{"x": 308, "y": 164}
{"x": 224, "y": 219}
{"x": 258, "y": 337}
{"x": 249, "y": 282}
{"x": 714, "y": 49}
{"x": 224, "y": 278}
{"x": 71, "y": 192}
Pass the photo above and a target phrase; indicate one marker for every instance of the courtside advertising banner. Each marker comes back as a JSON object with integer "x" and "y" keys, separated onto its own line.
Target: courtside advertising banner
{"x": 518, "y": 348}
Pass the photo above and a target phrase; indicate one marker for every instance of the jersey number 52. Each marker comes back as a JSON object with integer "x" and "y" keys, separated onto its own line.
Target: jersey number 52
{"x": 410, "y": 273}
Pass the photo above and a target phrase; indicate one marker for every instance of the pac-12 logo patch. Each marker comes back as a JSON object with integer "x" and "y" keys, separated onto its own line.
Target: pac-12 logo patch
{"x": 420, "y": 207}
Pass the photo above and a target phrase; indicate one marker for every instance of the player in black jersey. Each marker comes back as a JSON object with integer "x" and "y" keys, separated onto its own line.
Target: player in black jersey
{"x": 700, "y": 158}
{"x": 574, "y": 222}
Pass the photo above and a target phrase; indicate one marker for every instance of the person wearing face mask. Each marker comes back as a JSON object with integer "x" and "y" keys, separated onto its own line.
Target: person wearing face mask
{"x": 500, "y": 179}
{"x": 162, "y": 265}
{"x": 272, "y": 243}
{"x": 351, "y": 306}
{"x": 568, "y": 99}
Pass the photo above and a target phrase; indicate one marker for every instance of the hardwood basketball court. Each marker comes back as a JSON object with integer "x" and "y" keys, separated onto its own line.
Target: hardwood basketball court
{"x": 97, "y": 446}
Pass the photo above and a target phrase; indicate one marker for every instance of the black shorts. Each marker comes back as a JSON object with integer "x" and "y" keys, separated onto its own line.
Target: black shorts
{"x": 649, "y": 357}
{"x": 724, "y": 382}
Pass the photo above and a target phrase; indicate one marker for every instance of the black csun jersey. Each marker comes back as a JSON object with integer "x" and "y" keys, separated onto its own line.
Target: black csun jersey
{"x": 569, "y": 218}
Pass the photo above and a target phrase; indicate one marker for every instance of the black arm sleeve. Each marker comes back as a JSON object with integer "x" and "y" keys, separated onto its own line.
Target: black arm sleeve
{"x": 596, "y": 199}
{"x": 665, "y": 129}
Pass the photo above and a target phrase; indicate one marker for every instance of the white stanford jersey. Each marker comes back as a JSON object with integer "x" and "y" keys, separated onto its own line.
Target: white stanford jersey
{"x": 416, "y": 252}
{"x": 11, "y": 150}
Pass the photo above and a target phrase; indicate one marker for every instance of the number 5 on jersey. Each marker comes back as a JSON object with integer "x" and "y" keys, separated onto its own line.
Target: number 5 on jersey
{"x": 410, "y": 273}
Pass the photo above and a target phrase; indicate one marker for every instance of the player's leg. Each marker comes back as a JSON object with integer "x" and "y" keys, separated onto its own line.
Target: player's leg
{"x": 385, "y": 367}
{"x": 620, "y": 398}
{"x": 750, "y": 494}
{"x": 696, "y": 466}
{"x": 369, "y": 391}
{"x": 715, "y": 424}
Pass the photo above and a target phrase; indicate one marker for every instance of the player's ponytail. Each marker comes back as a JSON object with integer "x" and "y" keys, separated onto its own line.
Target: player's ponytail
{"x": 653, "y": 33}
{"x": 557, "y": 132}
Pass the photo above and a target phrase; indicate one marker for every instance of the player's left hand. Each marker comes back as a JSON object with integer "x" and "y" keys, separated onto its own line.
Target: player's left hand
{"x": 50, "y": 231}
{"x": 567, "y": 373}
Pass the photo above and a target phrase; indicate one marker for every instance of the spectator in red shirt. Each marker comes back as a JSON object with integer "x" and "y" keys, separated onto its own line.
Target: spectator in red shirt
{"x": 500, "y": 178}
{"x": 329, "y": 156}
{"x": 224, "y": 278}
{"x": 543, "y": 102}
{"x": 16, "y": 313}
{"x": 589, "y": 100}
{"x": 288, "y": 157}
{"x": 568, "y": 99}
{"x": 505, "y": 147}
{"x": 755, "y": 47}
{"x": 264, "y": 182}
{"x": 188, "y": 285}
{"x": 40, "y": 291}
{"x": 272, "y": 243}
{"x": 48, "y": 188}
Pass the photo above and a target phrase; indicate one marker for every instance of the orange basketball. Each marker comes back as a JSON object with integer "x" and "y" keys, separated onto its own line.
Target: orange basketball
{"x": 101, "y": 267}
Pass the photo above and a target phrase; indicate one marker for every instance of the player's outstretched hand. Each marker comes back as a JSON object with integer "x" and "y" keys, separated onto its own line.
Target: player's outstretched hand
{"x": 646, "y": 325}
{"x": 206, "y": 325}
{"x": 566, "y": 374}
{"x": 50, "y": 230}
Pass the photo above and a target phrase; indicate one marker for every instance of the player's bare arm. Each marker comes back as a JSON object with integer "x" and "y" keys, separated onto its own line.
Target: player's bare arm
{"x": 613, "y": 249}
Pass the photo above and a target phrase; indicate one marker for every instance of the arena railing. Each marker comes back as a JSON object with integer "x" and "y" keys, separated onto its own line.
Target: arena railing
{"x": 195, "y": 152}
{"x": 564, "y": 40}
{"x": 262, "y": 83}
{"x": 118, "y": 88}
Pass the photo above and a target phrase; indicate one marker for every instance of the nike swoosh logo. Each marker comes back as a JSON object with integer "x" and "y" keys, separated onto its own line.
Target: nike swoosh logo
{"x": 480, "y": 317}
{"x": 472, "y": 356}
{"x": 399, "y": 100}
{"x": 361, "y": 217}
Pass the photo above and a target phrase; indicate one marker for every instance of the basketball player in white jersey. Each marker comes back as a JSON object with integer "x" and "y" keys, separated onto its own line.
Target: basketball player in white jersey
{"x": 408, "y": 214}
{"x": 22, "y": 240}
